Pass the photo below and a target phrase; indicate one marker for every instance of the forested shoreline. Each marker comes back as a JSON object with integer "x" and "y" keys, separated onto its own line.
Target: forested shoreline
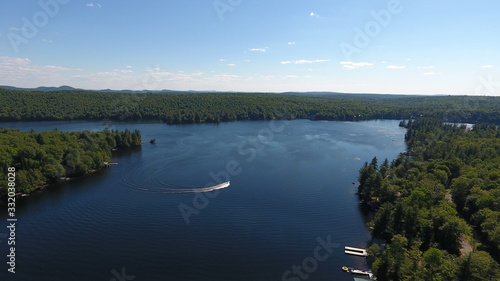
{"x": 42, "y": 158}
{"x": 443, "y": 191}
{"x": 185, "y": 108}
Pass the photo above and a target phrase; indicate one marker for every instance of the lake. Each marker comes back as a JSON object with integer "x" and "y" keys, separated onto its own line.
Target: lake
{"x": 291, "y": 203}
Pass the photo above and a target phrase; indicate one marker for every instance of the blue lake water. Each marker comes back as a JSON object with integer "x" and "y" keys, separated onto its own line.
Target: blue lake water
{"x": 291, "y": 192}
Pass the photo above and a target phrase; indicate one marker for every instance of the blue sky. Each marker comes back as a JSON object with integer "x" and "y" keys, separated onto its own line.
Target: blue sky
{"x": 355, "y": 46}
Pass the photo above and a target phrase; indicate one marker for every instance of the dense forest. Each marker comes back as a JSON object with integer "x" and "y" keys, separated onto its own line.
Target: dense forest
{"x": 436, "y": 200}
{"x": 177, "y": 108}
{"x": 47, "y": 157}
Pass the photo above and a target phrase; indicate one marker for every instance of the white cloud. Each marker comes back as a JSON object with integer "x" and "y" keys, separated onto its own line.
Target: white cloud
{"x": 429, "y": 73}
{"x": 92, "y": 5}
{"x": 487, "y": 66}
{"x": 258, "y": 49}
{"x": 354, "y": 65}
{"x": 396, "y": 67}
{"x": 303, "y": 61}
{"x": 227, "y": 76}
{"x": 231, "y": 64}
{"x": 128, "y": 66}
{"x": 22, "y": 72}
{"x": 222, "y": 60}
{"x": 425, "y": 67}
{"x": 17, "y": 28}
{"x": 14, "y": 61}
{"x": 291, "y": 43}
{"x": 124, "y": 71}
{"x": 56, "y": 68}
{"x": 313, "y": 14}
{"x": 221, "y": 78}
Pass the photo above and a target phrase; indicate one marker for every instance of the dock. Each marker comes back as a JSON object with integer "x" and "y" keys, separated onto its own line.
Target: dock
{"x": 355, "y": 251}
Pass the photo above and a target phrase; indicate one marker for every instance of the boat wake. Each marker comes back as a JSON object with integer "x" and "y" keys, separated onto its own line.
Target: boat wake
{"x": 150, "y": 178}
{"x": 179, "y": 189}
{"x": 156, "y": 174}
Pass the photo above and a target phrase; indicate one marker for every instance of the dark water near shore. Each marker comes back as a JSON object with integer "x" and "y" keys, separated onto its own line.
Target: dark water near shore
{"x": 291, "y": 186}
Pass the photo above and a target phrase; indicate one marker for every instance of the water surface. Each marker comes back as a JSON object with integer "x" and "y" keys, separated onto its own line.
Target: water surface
{"x": 291, "y": 184}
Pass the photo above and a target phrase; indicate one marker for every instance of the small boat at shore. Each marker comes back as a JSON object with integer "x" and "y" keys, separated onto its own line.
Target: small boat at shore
{"x": 366, "y": 273}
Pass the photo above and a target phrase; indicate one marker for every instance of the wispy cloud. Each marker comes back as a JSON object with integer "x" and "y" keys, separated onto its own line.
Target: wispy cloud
{"x": 231, "y": 64}
{"x": 258, "y": 49}
{"x": 425, "y": 67}
{"x": 17, "y": 28}
{"x": 303, "y": 61}
{"x": 123, "y": 71}
{"x": 291, "y": 43}
{"x": 429, "y": 73}
{"x": 14, "y": 61}
{"x": 487, "y": 66}
{"x": 22, "y": 72}
{"x": 90, "y": 5}
{"x": 46, "y": 41}
{"x": 354, "y": 65}
{"x": 221, "y": 78}
{"x": 396, "y": 67}
{"x": 227, "y": 76}
{"x": 313, "y": 14}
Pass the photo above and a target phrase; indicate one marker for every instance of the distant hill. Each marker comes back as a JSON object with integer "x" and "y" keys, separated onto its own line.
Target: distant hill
{"x": 69, "y": 88}
{"x": 42, "y": 89}
{"x": 363, "y": 96}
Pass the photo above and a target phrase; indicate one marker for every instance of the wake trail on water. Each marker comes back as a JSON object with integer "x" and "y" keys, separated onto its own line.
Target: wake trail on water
{"x": 147, "y": 175}
{"x": 178, "y": 189}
